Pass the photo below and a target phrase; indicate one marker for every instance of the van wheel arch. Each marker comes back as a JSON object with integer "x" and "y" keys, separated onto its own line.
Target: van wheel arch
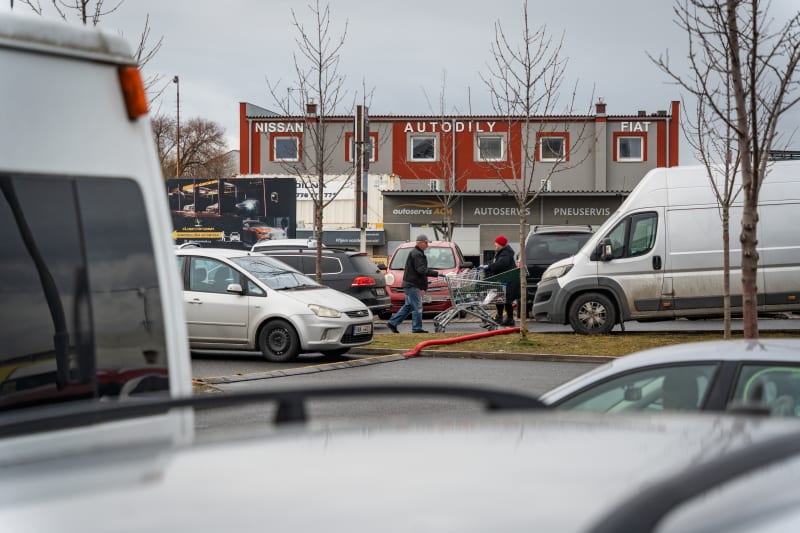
{"x": 593, "y": 312}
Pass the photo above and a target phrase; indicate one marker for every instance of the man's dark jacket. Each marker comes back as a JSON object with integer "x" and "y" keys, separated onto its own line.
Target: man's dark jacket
{"x": 416, "y": 272}
{"x": 504, "y": 261}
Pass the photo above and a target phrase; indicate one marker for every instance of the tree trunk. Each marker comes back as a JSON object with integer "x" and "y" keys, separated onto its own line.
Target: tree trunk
{"x": 523, "y": 280}
{"x": 726, "y": 272}
{"x": 749, "y": 267}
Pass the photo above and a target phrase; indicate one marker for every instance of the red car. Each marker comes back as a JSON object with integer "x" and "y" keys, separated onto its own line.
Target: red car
{"x": 443, "y": 256}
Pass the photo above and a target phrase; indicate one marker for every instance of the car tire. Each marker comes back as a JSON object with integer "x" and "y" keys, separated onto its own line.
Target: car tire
{"x": 592, "y": 313}
{"x": 335, "y": 353}
{"x": 385, "y": 315}
{"x": 278, "y": 341}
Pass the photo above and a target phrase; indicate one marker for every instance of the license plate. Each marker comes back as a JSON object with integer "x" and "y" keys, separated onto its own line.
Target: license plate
{"x": 380, "y": 292}
{"x": 426, "y": 299}
{"x": 362, "y": 329}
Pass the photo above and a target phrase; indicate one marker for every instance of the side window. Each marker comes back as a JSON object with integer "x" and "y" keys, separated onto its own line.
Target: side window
{"x": 210, "y": 275}
{"x": 776, "y": 385}
{"x": 81, "y": 315}
{"x": 643, "y": 233}
{"x": 655, "y": 389}
{"x": 633, "y": 236}
{"x": 331, "y": 265}
{"x": 294, "y": 261}
{"x": 252, "y": 289}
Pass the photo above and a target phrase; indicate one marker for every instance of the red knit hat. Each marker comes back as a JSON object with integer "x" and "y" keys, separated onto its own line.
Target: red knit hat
{"x": 502, "y": 241}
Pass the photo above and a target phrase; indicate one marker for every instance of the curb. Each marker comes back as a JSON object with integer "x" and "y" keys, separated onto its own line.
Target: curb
{"x": 311, "y": 369}
{"x": 500, "y": 356}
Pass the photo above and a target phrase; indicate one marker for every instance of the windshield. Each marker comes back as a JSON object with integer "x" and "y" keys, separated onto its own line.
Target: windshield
{"x": 551, "y": 247}
{"x": 275, "y": 274}
{"x": 438, "y": 257}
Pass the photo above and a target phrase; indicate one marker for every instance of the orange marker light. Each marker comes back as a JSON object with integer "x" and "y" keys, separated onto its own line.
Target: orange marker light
{"x": 133, "y": 90}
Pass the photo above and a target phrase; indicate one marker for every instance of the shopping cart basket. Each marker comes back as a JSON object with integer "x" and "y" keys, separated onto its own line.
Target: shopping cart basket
{"x": 471, "y": 295}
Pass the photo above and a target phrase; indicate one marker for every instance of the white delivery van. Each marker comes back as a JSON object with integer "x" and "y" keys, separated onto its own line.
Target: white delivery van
{"x": 90, "y": 311}
{"x": 659, "y": 256}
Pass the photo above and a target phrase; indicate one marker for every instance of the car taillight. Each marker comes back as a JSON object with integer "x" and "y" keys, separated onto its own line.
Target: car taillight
{"x": 363, "y": 281}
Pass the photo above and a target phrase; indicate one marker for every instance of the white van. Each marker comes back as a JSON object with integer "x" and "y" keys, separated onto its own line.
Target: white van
{"x": 665, "y": 257}
{"x": 90, "y": 311}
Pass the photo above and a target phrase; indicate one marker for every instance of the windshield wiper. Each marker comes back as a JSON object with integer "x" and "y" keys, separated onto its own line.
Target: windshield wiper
{"x": 291, "y": 405}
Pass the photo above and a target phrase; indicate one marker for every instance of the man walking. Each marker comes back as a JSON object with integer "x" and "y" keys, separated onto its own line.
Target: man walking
{"x": 415, "y": 280}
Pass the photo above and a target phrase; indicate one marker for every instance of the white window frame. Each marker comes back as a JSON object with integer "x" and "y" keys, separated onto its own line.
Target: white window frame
{"x": 500, "y": 136}
{"x": 352, "y": 153}
{"x": 562, "y": 140}
{"x": 412, "y": 138}
{"x": 630, "y": 159}
{"x": 296, "y": 142}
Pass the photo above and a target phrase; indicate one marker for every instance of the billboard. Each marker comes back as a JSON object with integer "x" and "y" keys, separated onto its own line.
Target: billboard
{"x": 211, "y": 211}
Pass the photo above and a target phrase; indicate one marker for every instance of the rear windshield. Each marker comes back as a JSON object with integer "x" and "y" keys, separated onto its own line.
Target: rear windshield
{"x": 438, "y": 257}
{"x": 364, "y": 265}
{"x": 551, "y": 247}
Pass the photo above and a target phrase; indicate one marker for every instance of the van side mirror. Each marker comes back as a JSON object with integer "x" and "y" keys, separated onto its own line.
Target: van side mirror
{"x": 235, "y": 288}
{"x": 604, "y": 251}
{"x": 381, "y": 266}
{"x": 466, "y": 264}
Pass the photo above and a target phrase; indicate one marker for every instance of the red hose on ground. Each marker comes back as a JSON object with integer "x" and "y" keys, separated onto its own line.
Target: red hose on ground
{"x": 418, "y": 348}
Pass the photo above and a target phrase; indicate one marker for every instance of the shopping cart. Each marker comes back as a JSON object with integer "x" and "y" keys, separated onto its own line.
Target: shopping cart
{"x": 470, "y": 295}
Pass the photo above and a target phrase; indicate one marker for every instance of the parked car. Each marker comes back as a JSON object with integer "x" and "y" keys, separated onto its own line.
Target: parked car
{"x": 514, "y": 468}
{"x": 708, "y": 376}
{"x": 239, "y": 300}
{"x": 347, "y": 271}
{"x": 444, "y": 256}
{"x": 545, "y": 245}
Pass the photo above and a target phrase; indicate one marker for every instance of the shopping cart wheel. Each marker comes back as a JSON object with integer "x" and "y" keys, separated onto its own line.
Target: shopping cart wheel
{"x": 438, "y": 329}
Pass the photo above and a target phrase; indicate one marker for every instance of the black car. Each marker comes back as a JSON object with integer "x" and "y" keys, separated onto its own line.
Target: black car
{"x": 347, "y": 271}
{"x": 547, "y": 244}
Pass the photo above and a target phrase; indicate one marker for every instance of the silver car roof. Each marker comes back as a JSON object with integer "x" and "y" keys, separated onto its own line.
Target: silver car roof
{"x": 778, "y": 350}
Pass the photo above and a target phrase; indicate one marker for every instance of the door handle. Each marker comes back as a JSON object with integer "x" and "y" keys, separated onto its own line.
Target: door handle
{"x": 195, "y": 301}
{"x": 656, "y": 262}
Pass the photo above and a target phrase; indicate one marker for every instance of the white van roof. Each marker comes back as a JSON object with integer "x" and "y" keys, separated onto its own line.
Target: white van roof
{"x": 36, "y": 34}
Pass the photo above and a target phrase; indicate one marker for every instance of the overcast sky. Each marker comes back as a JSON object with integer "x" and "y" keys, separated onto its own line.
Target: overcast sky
{"x": 224, "y": 51}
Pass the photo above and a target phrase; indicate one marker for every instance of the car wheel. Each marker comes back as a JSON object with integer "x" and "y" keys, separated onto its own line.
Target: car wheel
{"x": 335, "y": 353}
{"x": 278, "y": 341}
{"x": 592, "y": 313}
{"x": 385, "y": 315}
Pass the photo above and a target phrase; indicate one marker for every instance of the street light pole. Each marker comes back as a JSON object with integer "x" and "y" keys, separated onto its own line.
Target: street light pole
{"x": 177, "y": 83}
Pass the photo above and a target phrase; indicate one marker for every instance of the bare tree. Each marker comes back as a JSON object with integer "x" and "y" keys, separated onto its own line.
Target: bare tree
{"x": 203, "y": 148}
{"x": 524, "y": 81}
{"x": 318, "y": 91}
{"x": 750, "y": 99}
{"x": 709, "y": 130}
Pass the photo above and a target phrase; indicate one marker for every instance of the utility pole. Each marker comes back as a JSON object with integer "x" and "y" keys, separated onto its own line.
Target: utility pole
{"x": 177, "y": 83}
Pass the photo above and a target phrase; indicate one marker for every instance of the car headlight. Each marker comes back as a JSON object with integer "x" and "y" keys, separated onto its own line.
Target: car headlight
{"x": 325, "y": 312}
{"x": 555, "y": 272}
{"x": 389, "y": 279}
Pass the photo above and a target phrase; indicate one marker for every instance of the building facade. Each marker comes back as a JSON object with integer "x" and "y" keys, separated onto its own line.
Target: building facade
{"x": 436, "y": 172}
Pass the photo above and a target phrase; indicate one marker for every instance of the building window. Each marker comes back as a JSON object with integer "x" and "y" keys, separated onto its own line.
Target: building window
{"x": 350, "y": 141}
{"x": 422, "y": 148}
{"x": 630, "y": 147}
{"x": 491, "y": 147}
{"x": 552, "y": 146}
{"x": 286, "y": 148}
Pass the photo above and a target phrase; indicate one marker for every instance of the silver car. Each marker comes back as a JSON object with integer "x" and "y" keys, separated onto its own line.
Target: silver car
{"x": 710, "y": 376}
{"x": 238, "y": 301}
